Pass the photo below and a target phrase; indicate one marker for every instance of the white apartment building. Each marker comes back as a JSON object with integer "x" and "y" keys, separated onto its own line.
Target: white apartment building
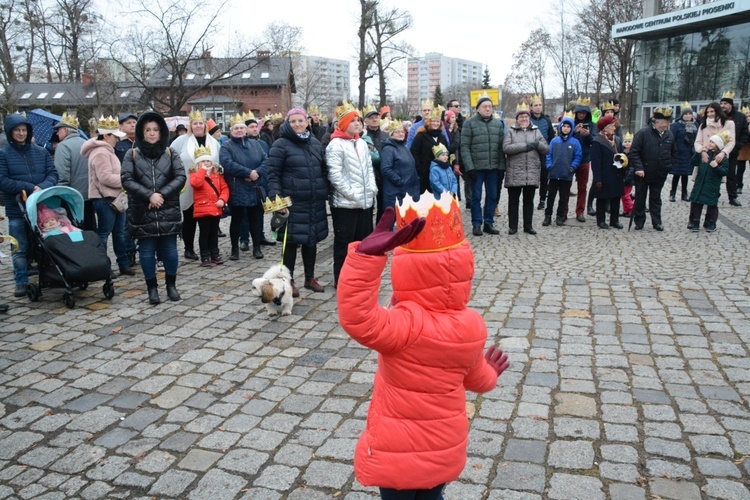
{"x": 425, "y": 73}
{"x": 320, "y": 81}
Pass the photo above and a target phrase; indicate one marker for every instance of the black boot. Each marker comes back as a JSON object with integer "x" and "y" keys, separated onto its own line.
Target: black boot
{"x": 172, "y": 289}
{"x": 695, "y": 225}
{"x": 235, "y": 255}
{"x": 256, "y": 252}
{"x": 671, "y": 196}
{"x": 547, "y": 220}
{"x": 205, "y": 259}
{"x": 153, "y": 292}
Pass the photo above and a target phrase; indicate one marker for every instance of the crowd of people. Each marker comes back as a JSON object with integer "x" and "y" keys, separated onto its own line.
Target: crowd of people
{"x": 181, "y": 182}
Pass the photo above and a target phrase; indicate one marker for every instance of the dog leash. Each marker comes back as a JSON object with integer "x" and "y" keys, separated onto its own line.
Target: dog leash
{"x": 283, "y": 245}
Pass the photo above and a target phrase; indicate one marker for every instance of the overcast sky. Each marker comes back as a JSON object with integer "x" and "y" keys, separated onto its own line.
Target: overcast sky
{"x": 478, "y": 30}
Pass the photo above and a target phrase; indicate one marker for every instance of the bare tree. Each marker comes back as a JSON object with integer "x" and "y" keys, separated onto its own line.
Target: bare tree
{"x": 365, "y": 60}
{"x": 281, "y": 39}
{"x": 387, "y": 51}
{"x": 72, "y": 22}
{"x": 530, "y": 69}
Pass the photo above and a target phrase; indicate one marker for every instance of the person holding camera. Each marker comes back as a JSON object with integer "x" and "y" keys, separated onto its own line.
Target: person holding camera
{"x": 584, "y": 132}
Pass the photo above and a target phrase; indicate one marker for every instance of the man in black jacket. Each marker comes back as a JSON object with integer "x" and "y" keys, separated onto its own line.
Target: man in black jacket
{"x": 652, "y": 155}
{"x": 734, "y": 182}
{"x": 544, "y": 124}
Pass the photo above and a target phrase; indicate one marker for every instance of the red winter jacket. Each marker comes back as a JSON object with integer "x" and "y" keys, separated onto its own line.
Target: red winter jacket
{"x": 430, "y": 350}
{"x": 204, "y": 196}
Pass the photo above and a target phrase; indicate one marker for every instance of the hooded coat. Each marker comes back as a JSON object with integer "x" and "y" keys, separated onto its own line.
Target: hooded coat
{"x": 523, "y": 166}
{"x": 684, "y": 141}
{"x": 104, "y": 169}
{"x": 23, "y": 166}
{"x": 399, "y": 172}
{"x": 585, "y": 140}
{"x": 295, "y": 168}
{"x": 417, "y": 428}
{"x": 564, "y": 155}
{"x": 240, "y": 156}
{"x": 421, "y": 149}
{"x": 148, "y": 169}
{"x": 603, "y": 169}
{"x": 707, "y": 186}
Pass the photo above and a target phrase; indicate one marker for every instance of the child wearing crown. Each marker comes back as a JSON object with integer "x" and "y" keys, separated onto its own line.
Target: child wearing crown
{"x": 442, "y": 178}
{"x": 627, "y": 197}
{"x": 430, "y": 347}
{"x": 210, "y": 195}
{"x": 707, "y": 186}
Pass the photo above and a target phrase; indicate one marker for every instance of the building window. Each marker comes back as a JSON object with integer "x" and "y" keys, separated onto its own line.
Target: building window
{"x": 226, "y": 75}
{"x": 42, "y": 95}
{"x": 26, "y": 95}
{"x": 91, "y": 94}
{"x": 125, "y": 93}
{"x": 245, "y": 76}
{"x": 190, "y": 76}
{"x": 58, "y": 95}
{"x": 207, "y": 76}
{"x": 264, "y": 75}
{"x": 169, "y": 78}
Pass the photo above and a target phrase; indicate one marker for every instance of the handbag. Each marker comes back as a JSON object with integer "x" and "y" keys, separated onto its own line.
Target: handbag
{"x": 118, "y": 204}
{"x": 226, "y": 210}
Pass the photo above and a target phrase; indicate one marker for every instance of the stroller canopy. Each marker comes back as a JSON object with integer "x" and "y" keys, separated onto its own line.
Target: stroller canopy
{"x": 54, "y": 197}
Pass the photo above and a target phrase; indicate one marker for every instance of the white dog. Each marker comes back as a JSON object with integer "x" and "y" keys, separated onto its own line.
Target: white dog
{"x": 275, "y": 290}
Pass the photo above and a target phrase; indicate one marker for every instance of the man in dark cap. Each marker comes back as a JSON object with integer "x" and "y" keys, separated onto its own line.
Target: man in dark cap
{"x": 740, "y": 137}
{"x": 127, "y": 124}
{"x": 72, "y": 167}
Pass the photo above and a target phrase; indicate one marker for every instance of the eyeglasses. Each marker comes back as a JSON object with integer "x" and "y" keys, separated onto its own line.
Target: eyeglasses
{"x": 455, "y": 105}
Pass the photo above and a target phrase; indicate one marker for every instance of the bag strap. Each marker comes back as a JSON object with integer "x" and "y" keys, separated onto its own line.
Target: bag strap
{"x": 213, "y": 186}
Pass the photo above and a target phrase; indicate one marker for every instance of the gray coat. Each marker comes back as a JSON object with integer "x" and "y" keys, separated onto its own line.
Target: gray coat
{"x": 72, "y": 167}
{"x": 482, "y": 144}
{"x": 524, "y": 167}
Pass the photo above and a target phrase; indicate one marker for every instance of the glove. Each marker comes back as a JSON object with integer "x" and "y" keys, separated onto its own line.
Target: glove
{"x": 472, "y": 174}
{"x": 383, "y": 240}
{"x": 532, "y": 146}
{"x": 598, "y": 186}
{"x": 497, "y": 359}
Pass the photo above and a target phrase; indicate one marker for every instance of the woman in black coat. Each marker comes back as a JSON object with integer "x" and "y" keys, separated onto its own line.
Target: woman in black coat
{"x": 684, "y": 131}
{"x": 153, "y": 177}
{"x": 608, "y": 184}
{"x": 427, "y": 137}
{"x": 295, "y": 168}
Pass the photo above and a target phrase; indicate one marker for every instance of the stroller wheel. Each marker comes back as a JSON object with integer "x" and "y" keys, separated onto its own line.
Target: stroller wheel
{"x": 70, "y": 301}
{"x": 33, "y": 292}
{"x": 109, "y": 290}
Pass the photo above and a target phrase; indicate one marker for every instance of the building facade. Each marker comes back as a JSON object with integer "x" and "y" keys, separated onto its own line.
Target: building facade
{"x": 426, "y": 73}
{"x": 692, "y": 55}
{"x": 320, "y": 81}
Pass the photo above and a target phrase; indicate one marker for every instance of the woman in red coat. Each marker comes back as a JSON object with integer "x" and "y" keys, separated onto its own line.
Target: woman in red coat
{"x": 429, "y": 346}
{"x": 210, "y": 194}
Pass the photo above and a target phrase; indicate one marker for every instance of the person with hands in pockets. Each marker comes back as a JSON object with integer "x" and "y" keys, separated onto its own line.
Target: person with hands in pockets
{"x": 430, "y": 347}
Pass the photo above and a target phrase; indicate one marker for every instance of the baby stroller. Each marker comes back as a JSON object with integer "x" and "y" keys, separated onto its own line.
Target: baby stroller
{"x": 66, "y": 259}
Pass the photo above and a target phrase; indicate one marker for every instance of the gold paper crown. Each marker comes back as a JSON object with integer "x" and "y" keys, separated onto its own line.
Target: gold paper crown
{"x": 744, "y": 110}
{"x": 394, "y": 125}
{"x": 583, "y": 101}
{"x": 569, "y": 114}
{"x": 277, "y": 204}
{"x": 236, "y": 120}
{"x": 70, "y": 120}
{"x": 196, "y": 116}
{"x": 665, "y": 111}
{"x": 277, "y": 116}
{"x": 627, "y": 137}
{"x": 729, "y": 94}
{"x": 313, "y": 108}
{"x": 201, "y": 151}
{"x": 248, "y": 116}
{"x": 427, "y": 102}
{"x": 324, "y": 118}
{"x": 369, "y": 109}
{"x": 725, "y": 136}
{"x": 438, "y": 150}
{"x": 108, "y": 123}
{"x": 522, "y": 106}
{"x": 345, "y": 109}
{"x": 436, "y": 113}
{"x": 19, "y": 112}
{"x": 444, "y": 228}
{"x": 535, "y": 98}
{"x": 685, "y": 105}
{"x": 607, "y": 106}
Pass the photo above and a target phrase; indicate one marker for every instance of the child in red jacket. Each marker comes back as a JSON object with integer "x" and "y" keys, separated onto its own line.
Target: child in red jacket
{"x": 430, "y": 347}
{"x": 210, "y": 194}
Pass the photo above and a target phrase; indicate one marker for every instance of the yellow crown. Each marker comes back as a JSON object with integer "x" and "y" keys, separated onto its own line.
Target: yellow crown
{"x": 277, "y": 116}
{"x": 607, "y": 106}
{"x": 583, "y": 101}
{"x": 725, "y": 136}
{"x": 277, "y": 204}
{"x": 394, "y": 125}
{"x": 685, "y": 105}
{"x": 344, "y": 110}
{"x": 19, "y": 112}
{"x": 248, "y": 116}
{"x": 729, "y": 94}
{"x": 628, "y": 137}
{"x": 744, "y": 110}
{"x": 324, "y": 118}
{"x": 369, "y": 109}
{"x": 436, "y": 113}
{"x": 197, "y": 116}
{"x": 108, "y": 123}
{"x": 522, "y": 106}
{"x": 312, "y": 109}
{"x": 201, "y": 151}
{"x": 535, "y": 98}
{"x": 427, "y": 102}
{"x": 444, "y": 228}
{"x": 665, "y": 111}
{"x": 438, "y": 150}
{"x": 70, "y": 119}
{"x": 237, "y": 119}
{"x": 569, "y": 114}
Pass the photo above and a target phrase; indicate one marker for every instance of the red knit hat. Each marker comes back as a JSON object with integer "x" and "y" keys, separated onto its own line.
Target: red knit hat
{"x": 604, "y": 121}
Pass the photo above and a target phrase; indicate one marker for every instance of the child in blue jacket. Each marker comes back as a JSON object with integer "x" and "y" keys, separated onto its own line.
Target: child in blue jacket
{"x": 563, "y": 159}
{"x": 442, "y": 177}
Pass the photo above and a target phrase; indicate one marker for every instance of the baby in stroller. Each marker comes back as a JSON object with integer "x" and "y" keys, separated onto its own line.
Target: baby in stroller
{"x": 51, "y": 222}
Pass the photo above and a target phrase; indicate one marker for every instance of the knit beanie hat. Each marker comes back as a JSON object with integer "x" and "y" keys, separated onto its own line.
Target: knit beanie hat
{"x": 716, "y": 139}
{"x": 484, "y": 99}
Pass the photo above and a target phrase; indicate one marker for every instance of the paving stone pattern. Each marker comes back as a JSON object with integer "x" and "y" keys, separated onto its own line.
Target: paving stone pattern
{"x": 630, "y": 377}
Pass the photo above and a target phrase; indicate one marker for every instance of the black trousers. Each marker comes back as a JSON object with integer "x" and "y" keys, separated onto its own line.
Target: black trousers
{"x": 188, "y": 229}
{"x": 309, "y": 253}
{"x": 514, "y": 195}
{"x": 652, "y": 190}
{"x": 543, "y": 179}
{"x": 435, "y": 493}
{"x": 89, "y": 215}
{"x": 555, "y": 186}
{"x": 732, "y": 177}
{"x": 602, "y": 204}
{"x": 208, "y": 239}
{"x": 251, "y": 214}
{"x": 676, "y": 179}
{"x": 712, "y": 212}
{"x": 349, "y": 225}
{"x": 741, "y": 173}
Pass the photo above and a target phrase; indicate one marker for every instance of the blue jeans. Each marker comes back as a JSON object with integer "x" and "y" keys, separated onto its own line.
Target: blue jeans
{"x": 490, "y": 179}
{"x": 167, "y": 247}
{"x": 17, "y": 229}
{"x": 110, "y": 222}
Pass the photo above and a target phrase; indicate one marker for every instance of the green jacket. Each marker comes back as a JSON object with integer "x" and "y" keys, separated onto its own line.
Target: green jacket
{"x": 707, "y": 187}
{"x": 482, "y": 144}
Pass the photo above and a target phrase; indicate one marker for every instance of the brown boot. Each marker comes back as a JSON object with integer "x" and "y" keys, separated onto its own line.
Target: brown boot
{"x": 312, "y": 284}
{"x": 295, "y": 292}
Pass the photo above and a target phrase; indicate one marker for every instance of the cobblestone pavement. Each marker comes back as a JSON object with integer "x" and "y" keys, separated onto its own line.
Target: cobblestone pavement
{"x": 629, "y": 380}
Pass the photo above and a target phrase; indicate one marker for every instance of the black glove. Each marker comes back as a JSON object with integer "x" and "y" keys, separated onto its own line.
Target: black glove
{"x": 532, "y": 146}
{"x": 472, "y": 174}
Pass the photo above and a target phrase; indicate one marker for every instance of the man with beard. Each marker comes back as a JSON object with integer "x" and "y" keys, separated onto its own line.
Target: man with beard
{"x": 734, "y": 182}
{"x": 544, "y": 124}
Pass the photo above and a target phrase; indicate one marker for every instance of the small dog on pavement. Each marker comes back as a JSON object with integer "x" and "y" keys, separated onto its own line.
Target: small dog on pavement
{"x": 275, "y": 290}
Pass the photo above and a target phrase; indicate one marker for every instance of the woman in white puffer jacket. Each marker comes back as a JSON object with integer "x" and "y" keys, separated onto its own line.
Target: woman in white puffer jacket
{"x": 352, "y": 180}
